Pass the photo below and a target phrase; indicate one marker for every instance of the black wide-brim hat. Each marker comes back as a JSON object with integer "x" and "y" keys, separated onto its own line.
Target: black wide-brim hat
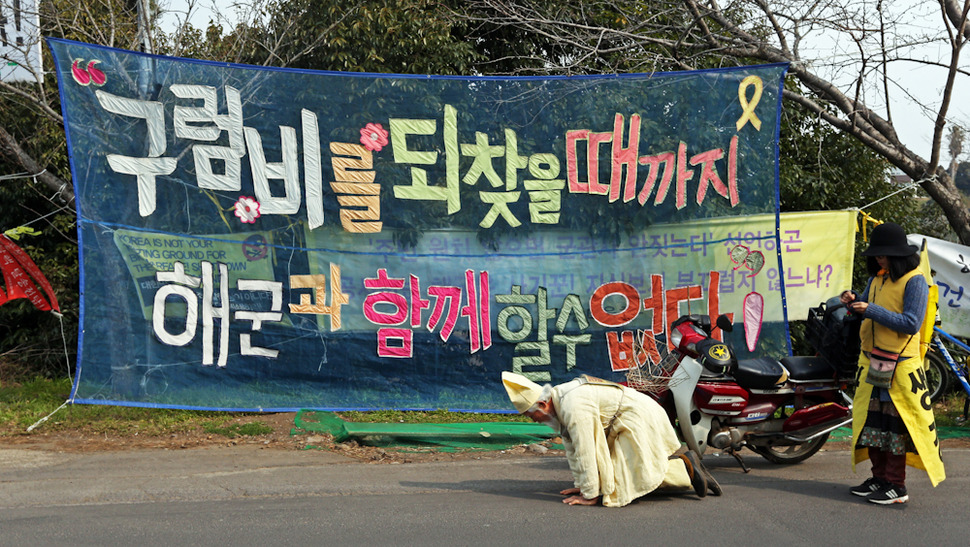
{"x": 889, "y": 239}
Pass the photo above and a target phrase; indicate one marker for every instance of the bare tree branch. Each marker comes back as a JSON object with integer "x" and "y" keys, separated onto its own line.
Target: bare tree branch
{"x": 744, "y": 31}
{"x": 13, "y": 152}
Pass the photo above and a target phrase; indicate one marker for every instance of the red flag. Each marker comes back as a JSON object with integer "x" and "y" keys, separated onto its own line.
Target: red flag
{"x": 22, "y": 277}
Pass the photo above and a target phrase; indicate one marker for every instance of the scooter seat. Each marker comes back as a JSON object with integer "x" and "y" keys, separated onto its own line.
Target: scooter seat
{"x": 807, "y": 369}
{"x": 760, "y": 373}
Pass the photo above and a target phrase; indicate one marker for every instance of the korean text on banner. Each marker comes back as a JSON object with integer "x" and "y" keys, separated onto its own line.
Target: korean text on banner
{"x": 257, "y": 238}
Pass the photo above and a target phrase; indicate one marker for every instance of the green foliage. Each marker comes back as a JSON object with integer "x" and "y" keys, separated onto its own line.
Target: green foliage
{"x": 823, "y": 169}
{"x": 408, "y": 36}
{"x": 212, "y": 43}
{"x": 508, "y": 50}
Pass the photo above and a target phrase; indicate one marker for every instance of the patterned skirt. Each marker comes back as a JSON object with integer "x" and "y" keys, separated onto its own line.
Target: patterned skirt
{"x": 884, "y": 429}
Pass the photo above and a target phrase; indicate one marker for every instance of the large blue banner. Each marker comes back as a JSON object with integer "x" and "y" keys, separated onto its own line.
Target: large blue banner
{"x": 271, "y": 239}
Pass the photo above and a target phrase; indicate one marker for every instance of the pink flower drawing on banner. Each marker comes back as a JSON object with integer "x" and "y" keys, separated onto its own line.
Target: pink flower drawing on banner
{"x": 373, "y": 136}
{"x": 247, "y": 209}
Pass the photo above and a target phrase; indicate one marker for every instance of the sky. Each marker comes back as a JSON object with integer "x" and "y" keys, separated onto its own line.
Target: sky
{"x": 913, "y": 84}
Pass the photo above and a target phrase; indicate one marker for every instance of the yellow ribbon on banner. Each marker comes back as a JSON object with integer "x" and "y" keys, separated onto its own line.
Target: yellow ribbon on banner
{"x": 748, "y": 107}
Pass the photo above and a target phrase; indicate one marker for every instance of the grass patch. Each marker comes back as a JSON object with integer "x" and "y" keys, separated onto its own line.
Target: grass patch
{"x": 949, "y": 410}
{"x": 22, "y": 405}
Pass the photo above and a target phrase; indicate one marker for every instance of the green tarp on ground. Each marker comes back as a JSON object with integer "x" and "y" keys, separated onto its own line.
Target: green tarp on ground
{"x": 441, "y": 437}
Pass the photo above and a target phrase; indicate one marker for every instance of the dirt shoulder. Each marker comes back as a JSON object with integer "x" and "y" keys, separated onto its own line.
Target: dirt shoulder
{"x": 283, "y": 436}
{"x": 53, "y": 438}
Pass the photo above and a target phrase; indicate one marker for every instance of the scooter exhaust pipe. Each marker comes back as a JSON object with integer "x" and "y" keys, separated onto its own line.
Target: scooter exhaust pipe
{"x": 819, "y": 433}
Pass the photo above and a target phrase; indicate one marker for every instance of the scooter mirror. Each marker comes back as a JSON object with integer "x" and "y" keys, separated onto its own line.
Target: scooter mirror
{"x": 724, "y": 323}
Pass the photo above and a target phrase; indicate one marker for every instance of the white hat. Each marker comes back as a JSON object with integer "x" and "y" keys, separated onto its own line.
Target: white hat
{"x": 523, "y": 392}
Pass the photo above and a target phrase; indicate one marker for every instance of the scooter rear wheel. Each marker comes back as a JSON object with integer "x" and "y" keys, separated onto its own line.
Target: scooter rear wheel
{"x": 789, "y": 454}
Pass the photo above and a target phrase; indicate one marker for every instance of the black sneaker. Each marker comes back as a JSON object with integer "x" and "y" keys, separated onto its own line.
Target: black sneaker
{"x": 871, "y": 485}
{"x": 889, "y": 495}
{"x": 698, "y": 477}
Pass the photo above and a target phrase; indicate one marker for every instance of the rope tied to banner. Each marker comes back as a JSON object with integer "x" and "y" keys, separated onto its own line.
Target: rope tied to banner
{"x": 45, "y": 418}
{"x": 867, "y": 218}
{"x": 908, "y": 186}
{"x": 67, "y": 359}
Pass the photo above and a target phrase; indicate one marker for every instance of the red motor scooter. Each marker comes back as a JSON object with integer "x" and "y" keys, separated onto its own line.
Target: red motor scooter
{"x": 782, "y": 409}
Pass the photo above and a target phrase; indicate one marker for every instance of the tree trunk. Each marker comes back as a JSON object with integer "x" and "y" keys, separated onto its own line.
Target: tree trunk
{"x": 10, "y": 149}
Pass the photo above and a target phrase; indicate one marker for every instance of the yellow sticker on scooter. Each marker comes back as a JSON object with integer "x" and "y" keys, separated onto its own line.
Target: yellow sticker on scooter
{"x": 718, "y": 351}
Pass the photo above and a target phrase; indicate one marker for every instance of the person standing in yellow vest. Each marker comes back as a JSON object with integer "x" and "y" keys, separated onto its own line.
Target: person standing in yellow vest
{"x": 892, "y": 417}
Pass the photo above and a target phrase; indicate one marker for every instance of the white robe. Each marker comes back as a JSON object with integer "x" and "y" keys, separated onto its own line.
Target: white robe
{"x": 629, "y": 460}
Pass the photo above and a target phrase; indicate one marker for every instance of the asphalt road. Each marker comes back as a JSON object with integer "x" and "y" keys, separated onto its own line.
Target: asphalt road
{"x": 248, "y": 496}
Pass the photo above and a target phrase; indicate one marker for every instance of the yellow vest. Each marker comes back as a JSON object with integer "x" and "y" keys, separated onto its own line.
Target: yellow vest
{"x": 889, "y": 294}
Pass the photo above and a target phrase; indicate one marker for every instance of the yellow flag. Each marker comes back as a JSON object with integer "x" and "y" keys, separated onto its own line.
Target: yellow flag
{"x": 929, "y": 321}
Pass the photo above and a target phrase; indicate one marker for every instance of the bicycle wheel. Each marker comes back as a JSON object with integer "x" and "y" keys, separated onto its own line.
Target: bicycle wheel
{"x": 937, "y": 375}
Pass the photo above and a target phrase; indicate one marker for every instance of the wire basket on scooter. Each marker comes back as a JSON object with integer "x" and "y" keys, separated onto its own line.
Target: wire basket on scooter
{"x": 651, "y": 365}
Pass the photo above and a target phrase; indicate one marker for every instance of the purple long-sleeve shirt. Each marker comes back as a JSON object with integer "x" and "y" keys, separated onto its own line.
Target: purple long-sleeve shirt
{"x": 914, "y": 307}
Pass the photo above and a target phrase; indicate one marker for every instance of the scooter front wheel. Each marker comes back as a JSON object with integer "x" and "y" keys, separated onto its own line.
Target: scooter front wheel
{"x": 790, "y": 453}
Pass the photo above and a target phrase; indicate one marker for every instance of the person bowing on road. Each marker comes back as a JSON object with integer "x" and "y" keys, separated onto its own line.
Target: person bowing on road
{"x": 619, "y": 443}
